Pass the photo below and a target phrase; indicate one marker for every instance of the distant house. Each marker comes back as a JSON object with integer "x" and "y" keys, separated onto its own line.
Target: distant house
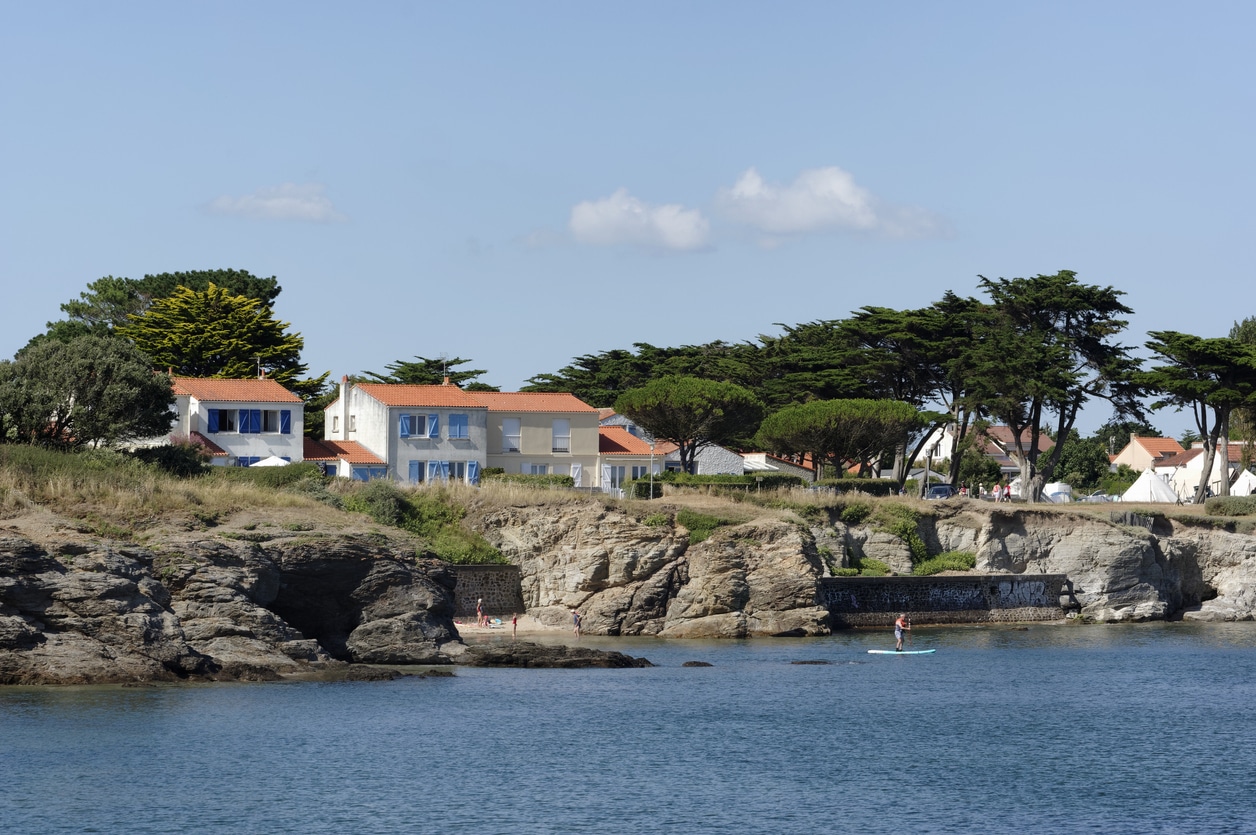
{"x": 1183, "y": 471}
{"x": 417, "y": 433}
{"x": 345, "y": 458}
{"x": 711, "y": 459}
{"x": 541, "y": 433}
{"x": 998, "y": 444}
{"x": 762, "y": 462}
{"x": 1145, "y": 453}
{"x": 240, "y": 422}
{"x": 624, "y": 457}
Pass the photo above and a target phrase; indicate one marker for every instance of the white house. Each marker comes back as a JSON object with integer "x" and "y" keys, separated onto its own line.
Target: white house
{"x": 1183, "y": 471}
{"x": 419, "y": 433}
{"x": 711, "y": 459}
{"x": 240, "y": 422}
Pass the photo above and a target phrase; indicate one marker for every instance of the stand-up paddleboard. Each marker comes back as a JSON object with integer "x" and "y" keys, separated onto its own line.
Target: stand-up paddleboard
{"x": 903, "y": 652}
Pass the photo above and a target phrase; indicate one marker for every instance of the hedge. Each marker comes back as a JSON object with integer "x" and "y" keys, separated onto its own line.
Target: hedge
{"x": 1231, "y": 506}
{"x": 550, "y": 480}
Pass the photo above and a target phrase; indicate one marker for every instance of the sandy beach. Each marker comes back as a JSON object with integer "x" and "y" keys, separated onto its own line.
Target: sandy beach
{"x": 528, "y": 625}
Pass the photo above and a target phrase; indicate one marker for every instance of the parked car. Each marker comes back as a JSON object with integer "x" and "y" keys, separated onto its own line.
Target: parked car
{"x": 940, "y": 491}
{"x": 1098, "y": 496}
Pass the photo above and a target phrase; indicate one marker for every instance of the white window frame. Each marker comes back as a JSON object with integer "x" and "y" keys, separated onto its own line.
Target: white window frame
{"x": 561, "y": 441}
{"x": 516, "y": 436}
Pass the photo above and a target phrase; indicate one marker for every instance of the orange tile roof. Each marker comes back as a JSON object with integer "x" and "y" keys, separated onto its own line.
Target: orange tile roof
{"x": 616, "y": 440}
{"x": 395, "y": 394}
{"x": 604, "y": 413}
{"x": 1159, "y": 447}
{"x": 253, "y": 390}
{"x": 1003, "y": 436}
{"x": 531, "y": 401}
{"x": 350, "y": 451}
{"x": 213, "y": 448}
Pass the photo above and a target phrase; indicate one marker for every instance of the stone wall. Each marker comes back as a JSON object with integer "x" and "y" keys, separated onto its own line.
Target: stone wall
{"x": 991, "y": 598}
{"x": 498, "y": 585}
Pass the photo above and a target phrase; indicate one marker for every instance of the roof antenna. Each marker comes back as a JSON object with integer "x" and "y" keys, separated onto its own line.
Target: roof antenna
{"x": 259, "y": 366}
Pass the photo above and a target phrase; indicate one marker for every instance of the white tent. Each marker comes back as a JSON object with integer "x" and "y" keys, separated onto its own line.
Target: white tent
{"x": 1149, "y": 488}
{"x": 1057, "y": 492}
{"x": 271, "y": 461}
{"x": 1244, "y": 485}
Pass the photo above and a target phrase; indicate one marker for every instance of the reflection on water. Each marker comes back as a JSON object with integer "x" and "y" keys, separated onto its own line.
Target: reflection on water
{"x": 1037, "y": 728}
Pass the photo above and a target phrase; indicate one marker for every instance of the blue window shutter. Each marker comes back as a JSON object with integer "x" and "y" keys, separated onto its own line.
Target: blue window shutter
{"x": 255, "y": 418}
{"x": 403, "y": 424}
{"x": 444, "y": 470}
{"x": 285, "y": 422}
{"x": 433, "y": 426}
{"x": 473, "y": 472}
{"x": 415, "y": 475}
{"x": 213, "y": 421}
{"x": 433, "y": 470}
{"x": 361, "y": 473}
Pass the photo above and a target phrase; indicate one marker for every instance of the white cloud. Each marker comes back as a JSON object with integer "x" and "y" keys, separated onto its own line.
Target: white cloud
{"x": 623, "y": 219}
{"x": 283, "y": 202}
{"x": 819, "y": 200}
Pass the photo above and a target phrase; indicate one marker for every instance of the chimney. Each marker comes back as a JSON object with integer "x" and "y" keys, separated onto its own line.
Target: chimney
{"x": 446, "y": 380}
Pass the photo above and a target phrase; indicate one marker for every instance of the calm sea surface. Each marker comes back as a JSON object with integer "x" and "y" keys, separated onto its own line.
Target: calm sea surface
{"x": 1059, "y": 729}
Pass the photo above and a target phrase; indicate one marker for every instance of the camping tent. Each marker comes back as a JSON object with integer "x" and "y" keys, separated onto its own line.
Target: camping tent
{"x": 271, "y": 461}
{"x": 1057, "y": 492}
{"x": 1244, "y": 485}
{"x": 1149, "y": 488}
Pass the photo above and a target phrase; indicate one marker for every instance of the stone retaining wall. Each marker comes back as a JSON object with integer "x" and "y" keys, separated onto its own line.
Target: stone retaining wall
{"x": 498, "y": 585}
{"x": 989, "y": 598}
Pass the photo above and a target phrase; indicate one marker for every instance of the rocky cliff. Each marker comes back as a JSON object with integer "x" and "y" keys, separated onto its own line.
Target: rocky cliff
{"x": 757, "y": 578}
{"x": 257, "y": 600}
{"x": 248, "y": 605}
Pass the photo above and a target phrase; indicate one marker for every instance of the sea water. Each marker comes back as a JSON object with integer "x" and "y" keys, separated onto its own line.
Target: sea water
{"x": 1046, "y": 728}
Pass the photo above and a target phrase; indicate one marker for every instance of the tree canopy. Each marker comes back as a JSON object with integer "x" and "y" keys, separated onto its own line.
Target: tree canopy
{"x": 91, "y": 390}
{"x": 1210, "y": 378}
{"x": 431, "y": 372}
{"x": 214, "y": 333}
{"x": 691, "y": 412}
{"x": 839, "y": 431}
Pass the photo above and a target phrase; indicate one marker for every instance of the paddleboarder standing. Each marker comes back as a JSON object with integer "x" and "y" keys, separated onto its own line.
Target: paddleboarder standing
{"x": 900, "y": 626}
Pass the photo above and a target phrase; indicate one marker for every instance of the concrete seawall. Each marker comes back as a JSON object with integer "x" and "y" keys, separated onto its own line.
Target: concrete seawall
{"x": 498, "y": 585}
{"x": 988, "y": 598}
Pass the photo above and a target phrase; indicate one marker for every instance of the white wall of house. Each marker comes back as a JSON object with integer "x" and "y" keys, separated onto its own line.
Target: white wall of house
{"x": 1185, "y": 479}
{"x": 357, "y": 416}
{"x": 270, "y": 441}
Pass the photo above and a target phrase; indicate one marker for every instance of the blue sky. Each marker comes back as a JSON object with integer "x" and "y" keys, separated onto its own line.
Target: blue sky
{"x": 523, "y": 183}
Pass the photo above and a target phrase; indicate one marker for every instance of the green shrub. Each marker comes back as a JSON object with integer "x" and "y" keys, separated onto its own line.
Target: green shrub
{"x": 1231, "y": 506}
{"x": 183, "y": 460}
{"x": 869, "y": 486}
{"x": 855, "y": 512}
{"x": 844, "y": 572}
{"x": 272, "y": 477}
{"x": 656, "y": 520}
{"x": 949, "y": 561}
{"x": 700, "y": 525}
{"x": 549, "y": 480}
{"x": 761, "y": 481}
{"x": 902, "y": 521}
{"x": 869, "y": 567}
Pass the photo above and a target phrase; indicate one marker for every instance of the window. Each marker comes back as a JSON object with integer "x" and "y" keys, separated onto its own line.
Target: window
{"x": 613, "y": 476}
{"x": 540, "y": 469}
{"x": 417, "y": 470}
{"x": 221, "y": 420}
{"x": 458, "y": 427}
{"x": 562, "y": 435}
{"x": 368, "y": 473}
{"x": 277, "y": 420}
{"x": 247, "y": 460}
{"x": 335, "y": 423}
{"x": 510, "y": 434}
{"x": 449, "y": 470}
{"x": 640, "y": 472}
{"x": 412, "y": 426}
{"x": 353, "y": 423}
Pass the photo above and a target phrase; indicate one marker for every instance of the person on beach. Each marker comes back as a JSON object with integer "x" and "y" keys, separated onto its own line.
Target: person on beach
{"x": 514, "y": 625}
{"x": 575, "y": 619}
{"x": 479, "y": 612}
{"x": 900, "y": 626}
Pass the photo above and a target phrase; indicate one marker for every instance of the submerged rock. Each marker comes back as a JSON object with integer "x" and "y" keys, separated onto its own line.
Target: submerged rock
{"x": 527, "y": 654}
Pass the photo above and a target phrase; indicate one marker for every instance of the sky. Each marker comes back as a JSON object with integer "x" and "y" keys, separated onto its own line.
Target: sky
{"x": 524, "y": 183}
